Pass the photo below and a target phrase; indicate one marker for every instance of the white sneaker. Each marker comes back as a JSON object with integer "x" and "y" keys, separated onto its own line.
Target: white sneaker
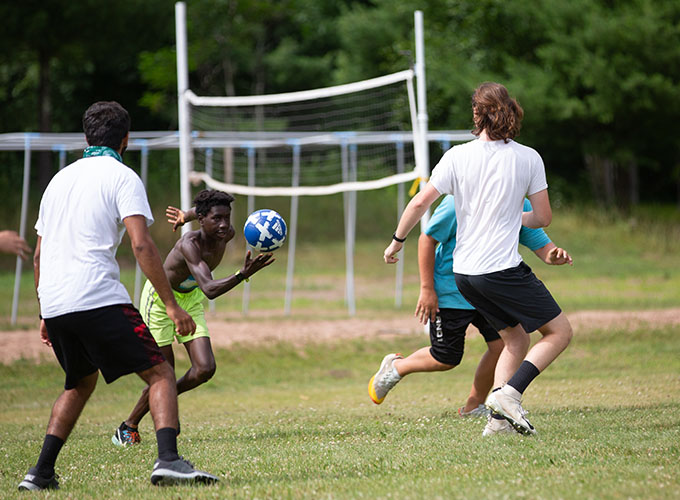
{"x": 384, "y": 379}
{"x": 506, "y": 402}
{"x": 497, "y": 426}
{"x": 480, "y": 412}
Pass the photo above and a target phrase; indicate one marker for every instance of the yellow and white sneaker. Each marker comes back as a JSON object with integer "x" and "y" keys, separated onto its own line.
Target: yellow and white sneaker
{"x": 384, "y": 379}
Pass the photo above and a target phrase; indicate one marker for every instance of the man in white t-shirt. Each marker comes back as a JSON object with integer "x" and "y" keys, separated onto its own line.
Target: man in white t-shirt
{"x": 489, "y": 178}
{"x": 86, "y": 313}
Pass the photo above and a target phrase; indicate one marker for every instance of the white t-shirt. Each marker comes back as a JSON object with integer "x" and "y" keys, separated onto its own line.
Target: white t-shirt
{"x": 81, "y": 225}
{"x": 489, "y": 180}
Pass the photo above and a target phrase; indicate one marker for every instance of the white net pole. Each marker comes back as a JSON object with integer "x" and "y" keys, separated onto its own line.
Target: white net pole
{"x": 22, "y": 226}
{"x": 251, "y": 209}
{"x": 145, "y": 175}
{"x": 422, "y": 109}
{"x": 183, "y": 110}
{"x": 292, "y": 232}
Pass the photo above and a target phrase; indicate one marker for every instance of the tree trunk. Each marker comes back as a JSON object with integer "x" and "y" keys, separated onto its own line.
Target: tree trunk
{"x": 45, "y": 166}
{"x": 601, "y": 172}
{"x": 633, "y": 183}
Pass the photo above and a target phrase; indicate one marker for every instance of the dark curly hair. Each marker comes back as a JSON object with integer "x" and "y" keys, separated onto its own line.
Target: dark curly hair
{"x": 209, "y": 198}
{"x": 106, "y": 123}
{"x": 495, "y": 112}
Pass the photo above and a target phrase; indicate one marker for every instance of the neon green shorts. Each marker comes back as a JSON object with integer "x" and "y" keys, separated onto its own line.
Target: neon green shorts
{"x": 161, "y": 326}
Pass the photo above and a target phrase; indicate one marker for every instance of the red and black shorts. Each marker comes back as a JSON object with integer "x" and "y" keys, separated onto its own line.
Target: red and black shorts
{"x": 111, "y": 339}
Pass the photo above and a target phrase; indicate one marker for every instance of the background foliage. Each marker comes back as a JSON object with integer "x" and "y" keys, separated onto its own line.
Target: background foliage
{"x": 599, "y": 80}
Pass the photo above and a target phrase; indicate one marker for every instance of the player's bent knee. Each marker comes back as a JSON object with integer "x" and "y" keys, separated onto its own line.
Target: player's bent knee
{"x": 205, "y": 373}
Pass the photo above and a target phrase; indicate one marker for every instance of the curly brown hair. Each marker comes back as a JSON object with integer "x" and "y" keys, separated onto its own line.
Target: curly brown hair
{"x": 495, "y": 112}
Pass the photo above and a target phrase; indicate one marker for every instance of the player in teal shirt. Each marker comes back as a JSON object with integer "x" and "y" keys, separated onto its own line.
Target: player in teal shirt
{"x": 449, "y": 314}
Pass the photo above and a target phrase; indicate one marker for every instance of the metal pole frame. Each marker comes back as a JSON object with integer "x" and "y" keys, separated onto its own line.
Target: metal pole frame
{"x": 22, "y": 225}
{"x": 292, "y": 231}
{"x": 251, "y": 209}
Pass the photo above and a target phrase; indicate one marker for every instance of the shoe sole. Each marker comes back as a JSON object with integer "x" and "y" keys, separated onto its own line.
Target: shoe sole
{"x": 371, "y": 390}
{"x": 170, "y": 478}
{"x": 496, "y": 409}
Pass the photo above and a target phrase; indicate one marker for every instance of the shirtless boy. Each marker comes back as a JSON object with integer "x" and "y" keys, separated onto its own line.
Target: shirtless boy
{"x": 189, "y": 267}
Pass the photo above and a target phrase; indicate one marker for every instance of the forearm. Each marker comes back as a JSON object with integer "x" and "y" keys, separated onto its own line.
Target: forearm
{"x": 412, "y": 214}
{"x": 426, "y": 257}
{"x": 215, "y": 288}
{"x": 543, "y": 253}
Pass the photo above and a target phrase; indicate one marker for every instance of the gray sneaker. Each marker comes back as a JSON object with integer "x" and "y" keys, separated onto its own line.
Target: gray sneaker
{"x": 384, "y": 379}
{"x": 497, "y": 426}
{"x": 177, "y": 472}
{"x": 506, "y": 402}
{"x": 480, "y": 412}
{"x": 34, "y": 482}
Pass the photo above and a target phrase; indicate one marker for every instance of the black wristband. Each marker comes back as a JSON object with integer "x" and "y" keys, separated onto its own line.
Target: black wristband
{"x": 400, "y": 240}
{"x": 241, "y": 277}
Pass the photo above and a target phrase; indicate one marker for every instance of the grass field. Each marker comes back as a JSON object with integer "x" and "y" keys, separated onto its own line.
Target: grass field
{"x": 284, "y": 422}
{"x": 619, "y": 263}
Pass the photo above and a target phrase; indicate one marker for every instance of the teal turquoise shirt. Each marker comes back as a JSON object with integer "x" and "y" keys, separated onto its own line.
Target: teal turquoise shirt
{"x": 442, "y": 227}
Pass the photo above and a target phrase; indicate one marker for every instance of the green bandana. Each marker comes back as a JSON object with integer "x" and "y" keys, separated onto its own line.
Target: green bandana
{"x": 101, "y": 151}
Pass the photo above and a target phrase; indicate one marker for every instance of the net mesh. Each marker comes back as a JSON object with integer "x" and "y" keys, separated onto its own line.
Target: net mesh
{"x": 356, "y": 137}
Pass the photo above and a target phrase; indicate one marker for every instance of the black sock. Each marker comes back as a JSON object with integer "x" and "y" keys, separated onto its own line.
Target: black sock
{"x": 167, "y": 444}
{"x": 48, "y": 455}
{"x": 523, "y": 376}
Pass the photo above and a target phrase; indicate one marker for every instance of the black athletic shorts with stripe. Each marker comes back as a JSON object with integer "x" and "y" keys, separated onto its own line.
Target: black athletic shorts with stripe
{"x": 510, "y": 297}
{"x": 447, "y": 333}
{"x": 111, "y": 339}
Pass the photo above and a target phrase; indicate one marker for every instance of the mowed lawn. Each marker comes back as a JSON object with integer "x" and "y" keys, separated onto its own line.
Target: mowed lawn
{"x": 288, "y": 422}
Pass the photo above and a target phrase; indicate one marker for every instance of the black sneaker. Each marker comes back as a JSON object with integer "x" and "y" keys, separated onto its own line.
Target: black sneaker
{"x": 179, "y": 471}
{"x": 33, "y": 482}
{"x": 125, "y": 436}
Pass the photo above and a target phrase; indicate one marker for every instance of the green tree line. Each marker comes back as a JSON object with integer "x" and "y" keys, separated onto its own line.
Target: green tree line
{"x": 599, "y": 80}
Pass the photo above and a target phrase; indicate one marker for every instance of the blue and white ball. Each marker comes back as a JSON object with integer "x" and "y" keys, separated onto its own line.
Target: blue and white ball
{"x": 265, "y": 230}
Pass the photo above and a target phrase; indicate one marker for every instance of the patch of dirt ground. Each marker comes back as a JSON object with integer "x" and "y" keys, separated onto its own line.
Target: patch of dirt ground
{"x": 226, "y": 331}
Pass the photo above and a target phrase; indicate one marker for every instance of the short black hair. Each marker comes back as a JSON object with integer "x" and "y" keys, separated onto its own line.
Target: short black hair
{"x": 209, "y": 198}
{"x": 106, "y": 123}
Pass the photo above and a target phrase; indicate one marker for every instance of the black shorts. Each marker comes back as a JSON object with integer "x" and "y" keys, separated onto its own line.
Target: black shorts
{"x": 510, "y": 297}
{"x": 447, "y": 333}
{"x": 112, "y": 339}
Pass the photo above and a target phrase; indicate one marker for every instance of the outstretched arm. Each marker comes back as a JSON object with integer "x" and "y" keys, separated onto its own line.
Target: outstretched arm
{"x": 11, "y": 242}
{"x": 412, "y": 214}
{"x": 178, "y": 217}
{"x": 553, "y": 255}
{"x": 150, "y": 262}
{"x": 200, "y": 270}
{"x": 428, "y": 305}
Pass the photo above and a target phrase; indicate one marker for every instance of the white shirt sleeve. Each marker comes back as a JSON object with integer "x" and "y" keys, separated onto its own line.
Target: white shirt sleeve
{"x": 131, "y": 198}
{"x": 538, "y": 181}
{"x": 442, "y": 174}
